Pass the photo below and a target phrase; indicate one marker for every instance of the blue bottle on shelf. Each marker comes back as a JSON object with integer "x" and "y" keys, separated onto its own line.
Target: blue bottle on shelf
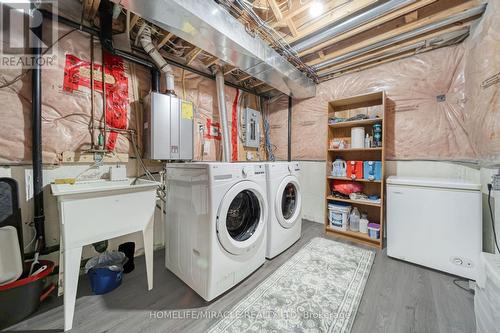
{"x": 372, "y": 170}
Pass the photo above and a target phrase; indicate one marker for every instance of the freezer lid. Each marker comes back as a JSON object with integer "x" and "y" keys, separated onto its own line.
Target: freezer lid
{"x": 433, "y": 182}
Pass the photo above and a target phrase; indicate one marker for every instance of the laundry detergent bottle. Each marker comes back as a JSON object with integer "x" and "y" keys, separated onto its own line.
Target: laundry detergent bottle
{"x": 339, "y": 168}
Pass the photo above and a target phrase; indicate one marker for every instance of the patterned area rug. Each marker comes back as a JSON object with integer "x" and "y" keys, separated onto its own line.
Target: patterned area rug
{"x": 317, "y": 290}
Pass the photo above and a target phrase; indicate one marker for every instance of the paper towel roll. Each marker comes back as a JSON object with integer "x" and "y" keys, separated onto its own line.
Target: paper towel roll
{"x": 357, "y": 137}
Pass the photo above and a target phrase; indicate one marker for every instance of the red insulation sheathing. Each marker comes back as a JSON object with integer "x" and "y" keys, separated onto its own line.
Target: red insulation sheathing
{"x": 76, "y": 74}
{"x": 234, "y": 127}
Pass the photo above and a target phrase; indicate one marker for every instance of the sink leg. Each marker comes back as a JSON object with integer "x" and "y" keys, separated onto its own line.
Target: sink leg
{"x": 147, "y": 235}
{"x": 72, "y": 258}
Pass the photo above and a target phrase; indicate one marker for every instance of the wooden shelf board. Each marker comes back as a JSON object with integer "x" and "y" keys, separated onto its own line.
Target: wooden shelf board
{"x": 359, "y": 202}
{"x": 355, "y": 236}
{"x": 355, "y": 149}
{"x": 355, "y": 180}
{"x": 356, "y": 123}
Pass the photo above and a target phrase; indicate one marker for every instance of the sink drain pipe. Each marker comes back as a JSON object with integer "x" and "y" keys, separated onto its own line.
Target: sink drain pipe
{"x": 36, "y": 140}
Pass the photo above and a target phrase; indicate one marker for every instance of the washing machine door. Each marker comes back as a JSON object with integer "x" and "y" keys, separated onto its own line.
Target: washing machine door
{"x": 288, "y": 201}
{"x": 241, "y": 218}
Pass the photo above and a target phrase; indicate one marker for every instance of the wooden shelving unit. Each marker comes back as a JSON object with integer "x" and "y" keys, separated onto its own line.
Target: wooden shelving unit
{"x": 346, "y": 108}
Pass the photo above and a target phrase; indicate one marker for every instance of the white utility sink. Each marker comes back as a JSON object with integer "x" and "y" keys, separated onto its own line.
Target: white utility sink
{"x": 94, "y": 211}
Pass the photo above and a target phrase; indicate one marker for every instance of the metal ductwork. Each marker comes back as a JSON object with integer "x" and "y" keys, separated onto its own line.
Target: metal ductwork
{"x": 147, "y": 45}
{"x": 432, "y": 42}
{"x": 221, "y": 99}
{"x": 208, "y": 26}
{"x": 402, "y": 37}
{"x": 339, "y": 28}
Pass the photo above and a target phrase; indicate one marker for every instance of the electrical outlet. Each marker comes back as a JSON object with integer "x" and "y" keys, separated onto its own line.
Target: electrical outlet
{"x": 201, "y": 128}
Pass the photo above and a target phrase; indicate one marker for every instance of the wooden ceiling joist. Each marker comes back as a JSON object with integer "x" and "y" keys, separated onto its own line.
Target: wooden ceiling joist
{"x": 211, "y": 61}
{"x": 133, "y": 21}
{"x": 333, "y": 14}
{"x": 372, "y": 55}
{"x": 191, "y": 55}
{"x": 165, "y": 39}
{"x": 90, "y": 8}
{"x": 370, "y": 25}
{"x": 395, "y": 32}
{"x": 244, "y": 78}
{"x": 229, "y": 69}
{"x": 276, "y": 10}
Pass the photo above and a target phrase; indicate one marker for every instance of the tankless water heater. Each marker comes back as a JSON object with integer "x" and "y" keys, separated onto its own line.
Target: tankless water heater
{"x": 168, "y": 127}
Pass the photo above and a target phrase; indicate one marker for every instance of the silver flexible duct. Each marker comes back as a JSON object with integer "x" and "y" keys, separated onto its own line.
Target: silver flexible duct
{"x": 147, "y": 45}
{"x": 219, "y": 80}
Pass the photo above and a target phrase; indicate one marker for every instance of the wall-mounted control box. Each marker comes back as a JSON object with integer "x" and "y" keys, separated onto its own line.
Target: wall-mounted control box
{"x": 252, "y": 128}
{"x": 168, "y": 127}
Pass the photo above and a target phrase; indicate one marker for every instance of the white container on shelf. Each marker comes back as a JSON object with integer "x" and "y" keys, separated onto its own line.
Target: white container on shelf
{"x": 357, "y": 137}
{"x": 338, "y": 216}
{"x": 354, "y": 220}
{"x": 363, "y": 224}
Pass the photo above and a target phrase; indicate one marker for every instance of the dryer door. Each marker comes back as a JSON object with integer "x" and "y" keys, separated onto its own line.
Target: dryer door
{"x": 241, "y": 218}
{"x": 288, "y": 201}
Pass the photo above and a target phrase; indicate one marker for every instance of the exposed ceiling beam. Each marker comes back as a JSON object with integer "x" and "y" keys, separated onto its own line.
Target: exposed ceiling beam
{"x": 229, "y": 69}
{"x": 372, "y": 55}
{"x": 244, "y": 77}
{"x": 292, "y": 27}
{"x": 367, "y": 26}
{"x": 133, "y": 21}
{"x": 429, "y": 21}
{"x": 165, "y": 39}
{"x": 276, "y": 10}
{"x": 332, "y": 15}
{"x": 191, "y": 56}
{"x": 211, "y": 61}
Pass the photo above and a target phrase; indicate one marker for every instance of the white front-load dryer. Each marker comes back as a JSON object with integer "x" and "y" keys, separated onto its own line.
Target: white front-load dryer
{"x": 285, "y": 204}
{"x": 215, "y": 230}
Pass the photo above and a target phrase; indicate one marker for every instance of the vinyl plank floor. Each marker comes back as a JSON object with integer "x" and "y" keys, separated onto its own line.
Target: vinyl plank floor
{"x": 399, "y": 297}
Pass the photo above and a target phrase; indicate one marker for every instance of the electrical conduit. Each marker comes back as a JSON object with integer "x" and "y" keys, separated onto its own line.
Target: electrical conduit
{"x": 234, "y": 127}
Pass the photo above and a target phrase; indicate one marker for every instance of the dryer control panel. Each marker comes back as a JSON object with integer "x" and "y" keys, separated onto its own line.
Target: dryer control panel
{"x": 259, "y": 169}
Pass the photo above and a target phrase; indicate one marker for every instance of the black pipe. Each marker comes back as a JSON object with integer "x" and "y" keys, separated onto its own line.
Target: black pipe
{"x": 289, "y": 128}
{"x": 155, "y": 80}
{"x": 106, "y": 22}
{"x": 36, "y": 137}
{"x": 141, "y": 60}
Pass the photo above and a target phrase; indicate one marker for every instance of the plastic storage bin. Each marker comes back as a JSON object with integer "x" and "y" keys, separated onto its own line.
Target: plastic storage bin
{"x": 372, "y": 170}
{"x": 105, "y": 271}
{"x": 104, "y": 280}
{"x": 355, "y": 169}
{"x": 374, "y": 230}
{"x": 338, "y": 215}
{"x": 21, "y": 298}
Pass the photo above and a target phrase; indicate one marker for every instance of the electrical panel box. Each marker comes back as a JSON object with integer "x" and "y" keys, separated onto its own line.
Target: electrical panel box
{"x": 252, "y": 128}
{"x": 168, "y": 128}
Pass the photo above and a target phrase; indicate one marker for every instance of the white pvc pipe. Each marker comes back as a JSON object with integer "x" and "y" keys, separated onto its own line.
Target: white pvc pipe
{"x": 148, "y": 46}
{"x": 219, "y": 80}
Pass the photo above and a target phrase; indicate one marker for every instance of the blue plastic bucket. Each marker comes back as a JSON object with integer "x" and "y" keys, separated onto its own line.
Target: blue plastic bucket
{"x": 104, "y": 280}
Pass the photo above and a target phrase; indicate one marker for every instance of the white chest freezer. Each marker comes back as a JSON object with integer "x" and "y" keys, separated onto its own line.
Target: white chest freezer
{"x": 435, "y": 223}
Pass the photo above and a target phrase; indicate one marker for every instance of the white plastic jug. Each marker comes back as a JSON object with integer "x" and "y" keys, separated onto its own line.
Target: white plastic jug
{"x": 339, "y": 168}
{"x": 354, "y": 219}
{"x": 363, "y": 224}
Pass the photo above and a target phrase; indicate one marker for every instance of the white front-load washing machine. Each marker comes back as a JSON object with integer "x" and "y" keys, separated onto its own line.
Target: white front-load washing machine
{"x": 215, "y": 223}
{"x": 285, "y": 204}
